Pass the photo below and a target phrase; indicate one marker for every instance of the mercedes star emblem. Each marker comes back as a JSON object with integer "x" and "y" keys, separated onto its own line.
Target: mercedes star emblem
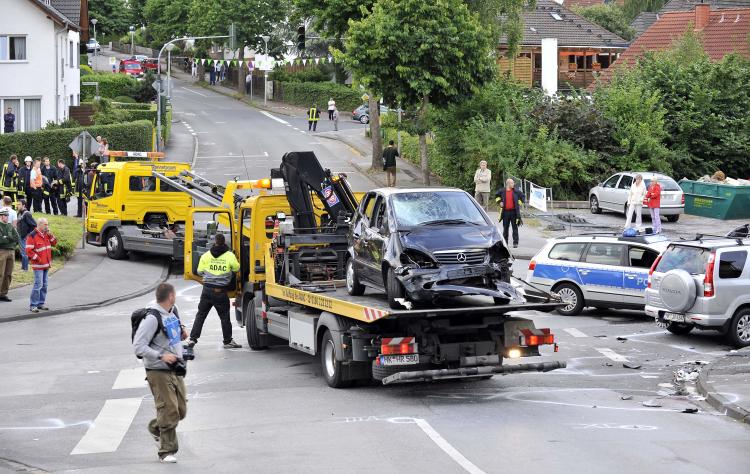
{"x": 461, "y": 257}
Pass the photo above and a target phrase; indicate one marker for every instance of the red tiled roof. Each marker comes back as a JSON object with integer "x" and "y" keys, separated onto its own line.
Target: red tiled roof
{"x": 727, "y": 32}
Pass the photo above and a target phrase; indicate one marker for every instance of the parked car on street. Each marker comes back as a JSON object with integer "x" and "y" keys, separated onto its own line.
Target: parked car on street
{"x": 150, "y": 64}
{"x": 612, "y": 195}
{"x": 596, "y": 270}
{"x": 93, "y": 45}
{"x": 131, "y": 67}
{"x": 703, "y": 284}
{"x": 362, "y": 113}
{"x": 140, "y": 57}
{"x": 421, "y": 244}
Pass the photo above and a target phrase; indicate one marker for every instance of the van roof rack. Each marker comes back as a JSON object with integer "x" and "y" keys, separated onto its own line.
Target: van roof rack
{"x": 702, "y": 237}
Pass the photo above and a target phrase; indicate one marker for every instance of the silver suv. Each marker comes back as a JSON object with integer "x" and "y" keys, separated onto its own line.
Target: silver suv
{"x": 703, "y": 284}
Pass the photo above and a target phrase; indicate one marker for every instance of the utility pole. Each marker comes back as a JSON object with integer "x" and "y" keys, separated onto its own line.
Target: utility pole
{"x": 96, "y": 43}
{"x": 132, "y": 39}
{"x": 265, "y": 71}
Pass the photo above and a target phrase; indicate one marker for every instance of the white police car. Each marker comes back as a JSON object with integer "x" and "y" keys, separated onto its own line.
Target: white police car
{"x": 604, "y": 271}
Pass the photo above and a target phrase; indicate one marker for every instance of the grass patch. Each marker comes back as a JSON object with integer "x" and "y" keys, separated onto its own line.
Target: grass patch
{"x": 68, "y": 231}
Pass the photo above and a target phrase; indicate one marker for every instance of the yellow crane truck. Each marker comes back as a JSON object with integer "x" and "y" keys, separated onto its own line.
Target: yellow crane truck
{"x": 290, "y": 236}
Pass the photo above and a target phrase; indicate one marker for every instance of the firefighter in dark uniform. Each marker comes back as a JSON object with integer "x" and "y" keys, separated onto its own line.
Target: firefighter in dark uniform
{"x": 23, "y": 180}
{"x": 313, "y": 115}
{"x": 9, "y": 177}
{"x": 217, "y": 266}
{"x": 48, "y": 192}
{"x": 63, "y": 187}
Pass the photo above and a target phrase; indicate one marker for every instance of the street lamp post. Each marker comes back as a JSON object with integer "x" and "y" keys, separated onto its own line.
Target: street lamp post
{"x": 132, "y": 39}
{"x": 159, "y": 144}
{"x": 170, "y": 48}
{"x": 265, "y": 71}
{"x": 96, "y": 43}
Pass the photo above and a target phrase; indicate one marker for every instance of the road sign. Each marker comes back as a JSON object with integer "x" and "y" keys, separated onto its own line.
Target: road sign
{"x": 365, "y": 97}
{"x": 84, "y": 145}
{"x": 156, "y": 85}
{"x": 112, "y": 60}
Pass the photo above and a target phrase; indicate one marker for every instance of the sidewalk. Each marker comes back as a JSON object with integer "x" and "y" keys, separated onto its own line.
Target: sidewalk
{"x": 726, "y": 384}
{"x": 89, "y": 280}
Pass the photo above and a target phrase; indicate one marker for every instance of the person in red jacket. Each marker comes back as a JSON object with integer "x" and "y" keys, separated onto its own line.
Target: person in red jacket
{"x": 653, "y": 200}
{"x": 39, "y": 245}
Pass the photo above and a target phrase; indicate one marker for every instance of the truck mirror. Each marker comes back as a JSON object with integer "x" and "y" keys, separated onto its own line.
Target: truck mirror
{"x": 280, "y": 216}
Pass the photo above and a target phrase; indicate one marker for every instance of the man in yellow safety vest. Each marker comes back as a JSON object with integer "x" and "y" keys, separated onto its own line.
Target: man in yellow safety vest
{"x": 313, "y": 115}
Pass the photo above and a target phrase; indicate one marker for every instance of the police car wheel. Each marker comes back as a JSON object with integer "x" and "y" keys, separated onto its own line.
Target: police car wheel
{"x": 115, "y": 247}
{"x": 364, "y": 119}
{"x": 572, "y": 295}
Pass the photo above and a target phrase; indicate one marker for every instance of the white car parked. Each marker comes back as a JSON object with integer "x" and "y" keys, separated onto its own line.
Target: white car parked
{"x": 612, "y": 195}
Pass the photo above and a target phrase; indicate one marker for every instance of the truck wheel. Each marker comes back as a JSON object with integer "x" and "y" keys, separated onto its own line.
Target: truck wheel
{"x": 353, "y": 286}
{"x": 115, "y": 246}
{"x": 394, "y": 289}
{"x": 251, "y": 327}
{"x": 674, "y": 218}
{"x": 572, "y": 295}
{"x": 739, "y": 329}
{"x": 679, "y": 329}
{"x": 332, "y": 370}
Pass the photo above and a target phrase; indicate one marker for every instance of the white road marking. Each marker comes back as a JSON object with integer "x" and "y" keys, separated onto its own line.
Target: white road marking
{"x": 109, "y": 427}
{"x": 273, "y": 117}
{"x": 130, "y": 378}
{"x": 612, "y": 355}
{"x": 194, "y": 92}
{"x": 234, "y": 156}
{"x": 217, "y": 123}
{"x": 575, "y": 332}
{"x": 447, "y": 447}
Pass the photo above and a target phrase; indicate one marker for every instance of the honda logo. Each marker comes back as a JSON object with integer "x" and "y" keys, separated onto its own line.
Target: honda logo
{"x": 461, "y": 257}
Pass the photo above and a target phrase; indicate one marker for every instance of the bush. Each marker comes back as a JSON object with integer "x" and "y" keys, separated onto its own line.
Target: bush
{"x": 135, "y": 136}
{"x": 86, "y": 70}
{"x": 142, "y": 91}
{"x": 67, "y": 123}
{"x": 84, "y": 60}
{"x": 68, "y": 231}
{"x": 124, "y": 99}
{"x": 306, "y": 94}
{"x": 110, "y": 86}
{"x": 312, "y": 74}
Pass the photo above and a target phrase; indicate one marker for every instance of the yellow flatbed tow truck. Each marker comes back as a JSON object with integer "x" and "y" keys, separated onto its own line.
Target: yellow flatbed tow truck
{"x": 291, "y": 290}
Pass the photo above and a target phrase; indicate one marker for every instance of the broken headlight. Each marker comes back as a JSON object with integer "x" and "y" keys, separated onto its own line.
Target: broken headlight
{"x": 499, "y": 253}
{"x": 415, "y": 257}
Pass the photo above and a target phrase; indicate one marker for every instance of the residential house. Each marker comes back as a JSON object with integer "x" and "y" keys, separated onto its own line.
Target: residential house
{"x": 39, "y": 63}
{"x": 584, "y": 49}
{"x": 645, "y": 19}
{"x": 721, "y": 32}
{"x": 590, "y": 3}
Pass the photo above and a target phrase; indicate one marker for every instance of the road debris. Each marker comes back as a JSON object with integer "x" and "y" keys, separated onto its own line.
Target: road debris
{"x": 652, "y": 403}
{"x": 690, "y": 410}
{"x": 632, "y": 366}
{"x": 622, "y": 339}
{"x": 626, "y": 397}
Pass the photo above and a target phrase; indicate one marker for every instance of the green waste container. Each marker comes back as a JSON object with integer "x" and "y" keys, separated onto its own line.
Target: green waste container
{"x": 719, "y": 201}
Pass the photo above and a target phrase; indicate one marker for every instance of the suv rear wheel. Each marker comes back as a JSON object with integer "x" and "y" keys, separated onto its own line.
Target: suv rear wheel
{"x": 739, "y": 329}
{"x": 679, "y": 329}
{"x": 674, "y": 218}
{"x": 573, "y": 296}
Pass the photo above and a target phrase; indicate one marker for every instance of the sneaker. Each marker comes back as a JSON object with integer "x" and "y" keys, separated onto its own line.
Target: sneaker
{"x": 232, "y": 345}
{"x": 34, "y": 310}
{"x": 191, "y": 343}
{"x": 43, "y": 308}
{"x": 515, "y": 246}
{"x": 5, "y": 298}
{"x": 169, "y": 458}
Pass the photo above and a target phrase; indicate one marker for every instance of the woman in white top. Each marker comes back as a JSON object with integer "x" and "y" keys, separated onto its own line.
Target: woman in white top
{"x": 636, "y": 195}
{"x": 331, "y": 107}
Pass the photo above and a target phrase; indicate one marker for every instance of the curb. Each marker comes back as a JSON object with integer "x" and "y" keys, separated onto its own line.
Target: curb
{"x": 83, "y": 307}
{"x": 195, "y": 152}
{"x": 717, "y": 401}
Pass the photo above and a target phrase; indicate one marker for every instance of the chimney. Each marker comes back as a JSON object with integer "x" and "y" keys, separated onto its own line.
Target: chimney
{"x": 702, "y": 14}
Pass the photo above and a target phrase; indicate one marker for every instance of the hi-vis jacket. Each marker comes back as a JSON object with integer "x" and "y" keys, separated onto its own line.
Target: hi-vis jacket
{"x": 39, "y": 249}
{"x": 8, "y": 177}
{"x": 313, "y": 115}
{"x": 217, "y": 269}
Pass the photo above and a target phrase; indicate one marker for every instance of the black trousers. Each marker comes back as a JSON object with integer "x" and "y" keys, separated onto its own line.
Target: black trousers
{"x": 330, "y": 115}
{"x": 212, "y": 299}
{"x": 35, "y": 198}
{"x": 312, "y": 125}
{"x": 50, "y": 203}
{"x": 62, "y": 204}
{"x": 509, "y": 219}
{"x": 79, "y": 212}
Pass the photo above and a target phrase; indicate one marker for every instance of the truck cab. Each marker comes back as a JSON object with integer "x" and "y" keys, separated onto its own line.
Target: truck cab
{"x": 130, "y": 209}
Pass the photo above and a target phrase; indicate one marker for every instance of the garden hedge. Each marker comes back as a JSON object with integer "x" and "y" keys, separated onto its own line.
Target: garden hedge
{"x": 132, "y": 136}
{"x": 110, "y": 86}
{"x": 305, "y": 94}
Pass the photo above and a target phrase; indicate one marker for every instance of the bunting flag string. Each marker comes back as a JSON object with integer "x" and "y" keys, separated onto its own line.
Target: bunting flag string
{"x": 276, "y": 62}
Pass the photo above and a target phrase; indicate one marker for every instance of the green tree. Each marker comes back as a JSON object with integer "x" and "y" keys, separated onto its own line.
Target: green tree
{"x": 421, "y": 54}
{"x": 632, "y": 8}
{"x": 610, "y": 16}
{"x": 112, "y": 16}
{"x": 252, "y": 19}
{"x": 166, "y": 19}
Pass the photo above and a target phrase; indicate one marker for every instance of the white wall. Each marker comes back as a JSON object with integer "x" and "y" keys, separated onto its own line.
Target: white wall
{"x": 35, "y": 77}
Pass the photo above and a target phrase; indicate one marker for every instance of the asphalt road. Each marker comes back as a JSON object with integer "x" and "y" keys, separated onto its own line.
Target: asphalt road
{"x": 73, "y": 396}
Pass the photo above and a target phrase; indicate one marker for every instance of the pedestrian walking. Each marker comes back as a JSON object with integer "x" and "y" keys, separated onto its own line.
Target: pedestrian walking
{"x": 331, "y": 108}
{"x": 24, "y": 225}
{"x": 653, "y": 197}
{"x": 510, "y": 200}
{"x": 49, "y": 198}
{"x": 636, "y": 195}
{"x": 9, "y": 120}
{"x": 36, "y": 185}
{"x": 335, "y": 119}
{"x": 39, "y": 245}
{"x": 248, "y": 83}
{"x": 9, "y": 178}
{"x": 218, "y": 267}
{"x": 212, "y": 75}
{"x": 22, "y": 180}
{"x": 9, "y": 240}
{"x": 7, "y": 204}
{"x": 194, "y": 68}
{"x": 482, "y": 180}
{"x": 81, "y": 185}
{"x": 389, "y": 163}
{"x": 313, "y": 115}
{"x": 63, "y": 187}
{"x": 157, "y": 341}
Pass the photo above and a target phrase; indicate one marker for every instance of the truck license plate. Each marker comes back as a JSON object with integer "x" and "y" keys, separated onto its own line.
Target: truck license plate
{"x": 406, "y": 359}
{"x": 677, "y": 318}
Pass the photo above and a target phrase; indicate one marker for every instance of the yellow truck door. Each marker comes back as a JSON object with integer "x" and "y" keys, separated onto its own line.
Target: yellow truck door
{"x": 201, "y": 227}
{"x": 102, "y": 205}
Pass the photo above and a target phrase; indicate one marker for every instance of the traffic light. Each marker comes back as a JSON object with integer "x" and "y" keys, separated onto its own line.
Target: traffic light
{"x": 301, "y": 38}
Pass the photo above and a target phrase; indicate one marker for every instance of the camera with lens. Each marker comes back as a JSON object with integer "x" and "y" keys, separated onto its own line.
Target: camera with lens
{"x": 188, "y": 354}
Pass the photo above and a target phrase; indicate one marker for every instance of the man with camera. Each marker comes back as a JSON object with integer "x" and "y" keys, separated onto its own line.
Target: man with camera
{"x": 157, "y": 341}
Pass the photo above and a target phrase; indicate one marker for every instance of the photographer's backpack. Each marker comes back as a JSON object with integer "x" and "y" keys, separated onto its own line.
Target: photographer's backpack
{"x": 138, "y": 316}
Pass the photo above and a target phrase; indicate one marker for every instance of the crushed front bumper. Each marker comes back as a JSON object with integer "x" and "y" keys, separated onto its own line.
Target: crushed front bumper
{"x": 425, "y": 284}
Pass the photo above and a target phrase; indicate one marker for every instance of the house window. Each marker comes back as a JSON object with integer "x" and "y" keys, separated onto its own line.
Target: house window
{"x": 27, "y": 112}
{"x": 12, "y": 48}
{"x": 71, "y": 54}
